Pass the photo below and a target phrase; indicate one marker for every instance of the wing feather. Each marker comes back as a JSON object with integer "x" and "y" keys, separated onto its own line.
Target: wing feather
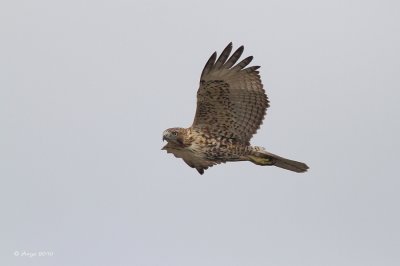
{"x": 243, "y": 63}
{"x": 234, "y": 58}
{"x": 209, "y": 65}
{"x": 224, "y": 55}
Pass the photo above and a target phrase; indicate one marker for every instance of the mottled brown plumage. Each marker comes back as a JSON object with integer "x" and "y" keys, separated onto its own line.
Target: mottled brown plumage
{"x": 231, "y": 105}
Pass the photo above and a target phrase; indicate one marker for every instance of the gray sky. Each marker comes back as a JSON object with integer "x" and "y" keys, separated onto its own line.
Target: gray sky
{"x": 87, "y": 87}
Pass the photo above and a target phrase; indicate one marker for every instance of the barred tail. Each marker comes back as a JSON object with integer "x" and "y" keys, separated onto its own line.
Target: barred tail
{"x": 261, "y": 157}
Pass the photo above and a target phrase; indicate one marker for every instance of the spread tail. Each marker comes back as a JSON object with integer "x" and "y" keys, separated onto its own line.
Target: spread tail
{"x": 261, "y": 157}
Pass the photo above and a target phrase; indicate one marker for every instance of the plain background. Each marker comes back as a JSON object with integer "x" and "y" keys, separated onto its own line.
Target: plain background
{"x": 87, "y": 88}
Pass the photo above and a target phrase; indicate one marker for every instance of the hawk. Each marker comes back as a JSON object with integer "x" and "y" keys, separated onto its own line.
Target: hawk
{"x": 231, "y": 105}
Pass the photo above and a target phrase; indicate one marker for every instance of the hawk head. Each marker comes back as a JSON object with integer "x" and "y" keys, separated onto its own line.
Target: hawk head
{"x": 174, "y": 135}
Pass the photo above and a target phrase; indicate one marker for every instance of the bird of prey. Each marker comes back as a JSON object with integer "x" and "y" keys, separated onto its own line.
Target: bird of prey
{"x": 231, "y": 105}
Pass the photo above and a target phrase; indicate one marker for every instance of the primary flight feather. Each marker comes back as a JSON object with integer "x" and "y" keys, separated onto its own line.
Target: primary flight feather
{"x": 231, "y": 105}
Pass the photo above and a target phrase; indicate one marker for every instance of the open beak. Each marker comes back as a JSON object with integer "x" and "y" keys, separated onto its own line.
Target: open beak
{"x": 165, "y": 147}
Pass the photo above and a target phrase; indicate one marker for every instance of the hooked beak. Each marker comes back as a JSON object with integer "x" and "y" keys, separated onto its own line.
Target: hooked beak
{"x": 165, "y": 147}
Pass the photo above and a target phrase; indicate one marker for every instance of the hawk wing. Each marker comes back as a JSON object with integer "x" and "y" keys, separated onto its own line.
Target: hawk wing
{"x": 199, "y": 163}
{"x": 231, "y": 101}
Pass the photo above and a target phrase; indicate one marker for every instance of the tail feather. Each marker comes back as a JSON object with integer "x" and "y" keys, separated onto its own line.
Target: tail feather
{"x": 262, "y": 157}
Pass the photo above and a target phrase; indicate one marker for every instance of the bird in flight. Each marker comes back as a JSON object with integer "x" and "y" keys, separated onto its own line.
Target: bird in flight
{"x": 231, "y": 105}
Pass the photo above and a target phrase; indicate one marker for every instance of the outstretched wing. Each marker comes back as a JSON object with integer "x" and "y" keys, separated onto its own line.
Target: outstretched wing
{"x": 231, "y": 101}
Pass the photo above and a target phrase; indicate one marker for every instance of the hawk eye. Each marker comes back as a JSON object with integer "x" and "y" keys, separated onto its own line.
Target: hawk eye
{"x": 174, "y": 133}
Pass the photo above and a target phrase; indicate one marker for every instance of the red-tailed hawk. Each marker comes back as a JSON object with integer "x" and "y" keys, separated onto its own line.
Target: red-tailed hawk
{"x": 231, "y": 104}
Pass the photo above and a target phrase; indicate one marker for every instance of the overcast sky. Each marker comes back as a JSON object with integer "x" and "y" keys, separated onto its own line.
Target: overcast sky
{"x": 87, "y": 88}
